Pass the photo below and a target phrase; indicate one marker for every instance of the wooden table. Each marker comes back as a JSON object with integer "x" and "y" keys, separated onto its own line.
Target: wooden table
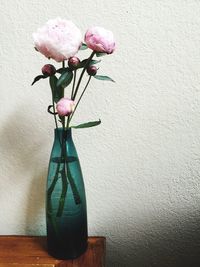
{"x": 27, "y": 251}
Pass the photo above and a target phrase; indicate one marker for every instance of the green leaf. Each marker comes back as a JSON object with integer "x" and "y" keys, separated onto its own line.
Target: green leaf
{"x": 57, "y": 92}
{"x": 61, "y": 70}
{"x": 51, "y": 112}
{"x": 65, "y": 78}
{"x": 92, "y": 62}
{"x": 37, "y": 78}
{"x": 52, "y": 82}
{"x": 100, "y": 54}
{"x": 83, "y": 47}
{"x": 103, "y": 78}
{"x": 86, "y": 125}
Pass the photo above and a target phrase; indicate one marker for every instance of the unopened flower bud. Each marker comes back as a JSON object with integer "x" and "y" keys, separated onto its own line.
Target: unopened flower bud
{"x": 92, "y": 70}
{"x": 48, "y": 70}
{"x": 73, "y": 62}
{"x": 65, "y": 106}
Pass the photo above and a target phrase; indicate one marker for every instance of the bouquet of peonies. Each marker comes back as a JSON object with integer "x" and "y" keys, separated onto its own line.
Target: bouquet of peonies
{"x": 61, "y": 40}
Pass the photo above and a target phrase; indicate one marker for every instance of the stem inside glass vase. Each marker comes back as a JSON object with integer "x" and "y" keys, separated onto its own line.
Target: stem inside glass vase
{"x": 63, "y": 172}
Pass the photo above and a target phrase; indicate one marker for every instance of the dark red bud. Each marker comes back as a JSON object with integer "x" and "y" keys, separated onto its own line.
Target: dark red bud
{"x": 48, "y": 70}
{"x": 92, "y": 70}
{"x": 73, "y": 62}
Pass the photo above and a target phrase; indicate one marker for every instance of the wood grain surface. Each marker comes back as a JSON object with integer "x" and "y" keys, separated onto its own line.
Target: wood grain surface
{"x": 30, "y": 251}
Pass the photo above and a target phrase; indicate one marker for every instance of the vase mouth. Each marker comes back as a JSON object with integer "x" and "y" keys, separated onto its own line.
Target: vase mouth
{"x": 60, "y": 129}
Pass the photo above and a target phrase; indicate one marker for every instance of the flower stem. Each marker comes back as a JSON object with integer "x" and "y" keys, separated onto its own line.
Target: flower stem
{"x": 64, "y": 192}
{"x": 73, "y": 84}
{"x": 53, "y": 105}
{"x": 80, "y": 97}
{"x": 77, "y": 198}
{"x": 82, "y": 73}
{"x": 52, "y": 186}
{"x": 54, "y": 111}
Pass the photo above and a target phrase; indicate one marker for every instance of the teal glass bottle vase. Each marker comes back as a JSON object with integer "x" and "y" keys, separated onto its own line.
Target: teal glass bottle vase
{"x": 66, "y": 211}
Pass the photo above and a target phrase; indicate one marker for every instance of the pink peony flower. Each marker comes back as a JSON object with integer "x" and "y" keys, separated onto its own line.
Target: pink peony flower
{"x": 100, "y": 40}
{"x": 65, "y": 106}
{"x": 58, "y": 39}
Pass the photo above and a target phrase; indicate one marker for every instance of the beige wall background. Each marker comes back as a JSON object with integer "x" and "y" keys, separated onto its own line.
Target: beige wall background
{"x": 142, "y": 165}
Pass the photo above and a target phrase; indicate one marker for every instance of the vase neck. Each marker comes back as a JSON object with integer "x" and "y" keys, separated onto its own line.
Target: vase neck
{"x": 58, "y": 133}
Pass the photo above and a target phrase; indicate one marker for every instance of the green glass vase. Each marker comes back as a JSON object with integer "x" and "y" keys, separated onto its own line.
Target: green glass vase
{"x": 66, "y": 211}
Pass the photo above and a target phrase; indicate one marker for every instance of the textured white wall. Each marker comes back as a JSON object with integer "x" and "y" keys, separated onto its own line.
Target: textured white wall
{"x": 142, "y": 165}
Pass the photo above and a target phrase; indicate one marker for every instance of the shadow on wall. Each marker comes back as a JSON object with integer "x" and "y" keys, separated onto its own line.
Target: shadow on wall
{"x": 35, "y": 214}
{"x": 162, "y": 241}
{"x": 22, "y": 146}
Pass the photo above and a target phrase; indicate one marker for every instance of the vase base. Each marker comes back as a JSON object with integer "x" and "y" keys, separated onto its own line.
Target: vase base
{"x": 59, "y": 255}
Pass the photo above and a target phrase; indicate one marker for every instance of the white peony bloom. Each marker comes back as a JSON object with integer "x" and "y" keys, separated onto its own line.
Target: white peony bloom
{"x": 58, "y": 39}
